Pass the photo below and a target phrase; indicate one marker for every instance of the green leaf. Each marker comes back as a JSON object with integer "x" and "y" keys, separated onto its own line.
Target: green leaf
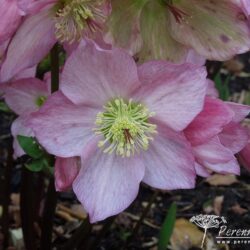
{"x": 4, "y": 107}
{"x": 167, "y": 228}
{"x": 30, "y": 146}
{"x": 35, "y": 165}
{"x": 222, "y": 87}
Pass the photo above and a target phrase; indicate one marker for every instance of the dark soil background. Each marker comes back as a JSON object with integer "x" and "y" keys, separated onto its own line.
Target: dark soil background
{"x": 226, "y": 196}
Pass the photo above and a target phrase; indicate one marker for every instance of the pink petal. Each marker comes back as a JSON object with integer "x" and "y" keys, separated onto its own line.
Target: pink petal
{"x": 27, "y": 73}
{"x": 169, "y": 161}
{"x": 30, "y": 45}
{"x": 214, "y": 116}
{"x": 22, "y": 95}
{"x": 33, "y": 6}
{"x": 240, "y": 111}
{"x": 63, "y": 128}
{"x": 66, "y": 170}
{"x": 194, "y": 58}
{"x": 211, "y": 89}
{"x": 201, "y": 171}
{"x": 213, "y": 152}
{"x": 174, "y": 92}
{"x": 231, "y": 167}
{"x": 19, "y": 127}
{"x": 246, "y": 6}
{"x": 93, "y": 76}
{"x": 10, "y": 19}
{"x": 107, "y": 184}
{"x": 234, "y": 137}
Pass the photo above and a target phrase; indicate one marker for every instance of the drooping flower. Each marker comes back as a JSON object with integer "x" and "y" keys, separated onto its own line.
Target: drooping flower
{"x": 167, "y": 29}
{"x": 124, "y": 122}
{"x": 49, "y": 21}
{"x": 24, "y": 96}
{"x": 216, "y": 135}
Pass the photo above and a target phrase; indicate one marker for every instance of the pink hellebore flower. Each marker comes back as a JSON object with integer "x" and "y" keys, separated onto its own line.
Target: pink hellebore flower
{"x": 124, "y": 122}
{"x": 24, "y": 97}
{"x": 50, "y": 21}
{"x": 216, "y": 136}
{"x": 167, "y": 29}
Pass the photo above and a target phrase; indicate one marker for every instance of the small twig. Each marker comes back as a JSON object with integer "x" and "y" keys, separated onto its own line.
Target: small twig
{"x": 142, "y": 217}
{"x": 144, "y": 214}
{"x": 48, "y": 216}
{"x": 94, "y": 243}
{"x": 54, "y": 55}
{"x": 6, "y": 197}
{"x": 79, "y": 237}
{"x": 51, "y": 199}
{"x": 27, "y": 209}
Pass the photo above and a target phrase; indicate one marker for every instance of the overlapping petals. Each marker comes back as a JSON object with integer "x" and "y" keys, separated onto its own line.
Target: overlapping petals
{"x": 216, "y": 135}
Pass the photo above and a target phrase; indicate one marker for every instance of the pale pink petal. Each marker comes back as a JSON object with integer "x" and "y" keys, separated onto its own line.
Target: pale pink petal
{"x": 27, "y": 73}
{"x": 19, "y": 127}
{"x": 22, "y": 95}
{"x": 93, "y": 76}
{"x": 213, "y": 151}
{"x": 174, "y": 92}
{"x": 10, "y": 19}
{"x": 66, "y": 170}
{"x": 63, "y": 128}
{"x": 216, "y": 31}
{"x": 169, "y": 161}
{"x": 194, "y": 58}
{"x": 240, "y": 111}
{"x": 33, "y": 6}
{"x": 214, "y": 116}
{"x": 3, "y": 50}
{"x": 246, "y": 6}
{"x": 201, "y": 171}
{"x": 234, "y": 137}
{"x": 211, "y": 89}
{"x": 30, "y": 45}
{"x": 107, "y": 184}
{"x": 231, "y": 167}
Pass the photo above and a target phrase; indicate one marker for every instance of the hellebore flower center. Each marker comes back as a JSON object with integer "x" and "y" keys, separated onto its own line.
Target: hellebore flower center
{"x": 73, "y": 17}
{"x": 125, "y": 127}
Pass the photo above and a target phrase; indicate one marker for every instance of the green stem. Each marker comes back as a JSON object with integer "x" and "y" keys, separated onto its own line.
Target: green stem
{"x": 140, "y": 221}
{"x": 54, "y": 55}
{"x": 51, "y": 199}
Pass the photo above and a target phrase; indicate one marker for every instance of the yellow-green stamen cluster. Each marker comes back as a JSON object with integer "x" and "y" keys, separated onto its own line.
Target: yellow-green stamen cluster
{"x": 74, "y": 17}
{"x": 40, "y": 100}
{"x": 125, "y": 127}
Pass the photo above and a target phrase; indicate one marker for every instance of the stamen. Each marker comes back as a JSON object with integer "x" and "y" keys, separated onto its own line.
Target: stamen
{"x": 125, "y": 127}
{"x": 40, "y": 100}
{"x": 77, "y": 18}
{"x": 178, "y": 13}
